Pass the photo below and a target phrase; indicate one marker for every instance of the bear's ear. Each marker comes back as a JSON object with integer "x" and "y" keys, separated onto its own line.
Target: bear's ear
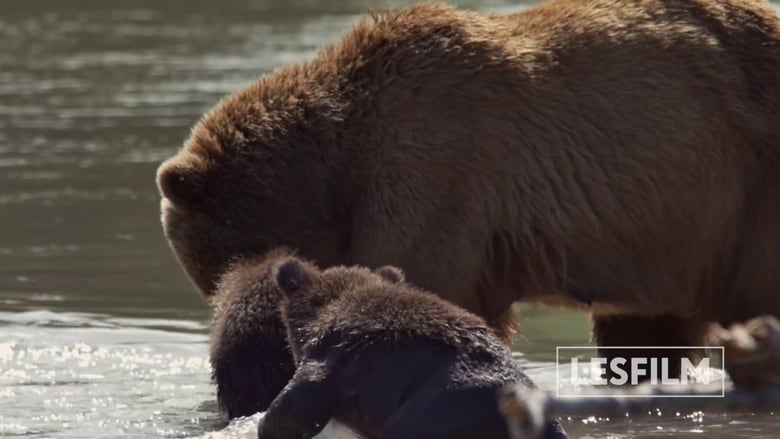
{"x": 291, "y": 277}
{"x": 391, "y": 274}
{"x": 180, "y": 183}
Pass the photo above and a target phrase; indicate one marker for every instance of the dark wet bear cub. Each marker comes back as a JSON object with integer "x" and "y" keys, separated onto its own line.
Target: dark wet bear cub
{"x": 250, "y": 359}
{"x": 386, "y": 359}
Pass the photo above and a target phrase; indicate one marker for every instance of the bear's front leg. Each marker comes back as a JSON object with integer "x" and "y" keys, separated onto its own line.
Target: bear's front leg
{"x": 655, "y": 331}
{"x": 303, "y": 408}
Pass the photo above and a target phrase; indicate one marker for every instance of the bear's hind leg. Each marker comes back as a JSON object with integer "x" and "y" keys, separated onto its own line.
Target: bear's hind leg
{"x": 655, "y": 331}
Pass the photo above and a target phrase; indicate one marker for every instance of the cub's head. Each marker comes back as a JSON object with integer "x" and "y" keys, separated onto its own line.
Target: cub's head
{"x": 306, "y": 290}
{"x": 260, "y": 170}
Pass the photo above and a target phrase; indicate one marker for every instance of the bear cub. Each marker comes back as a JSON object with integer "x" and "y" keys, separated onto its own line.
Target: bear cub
{"x": 386, "y": 359}
{"x": 250, "y": 360}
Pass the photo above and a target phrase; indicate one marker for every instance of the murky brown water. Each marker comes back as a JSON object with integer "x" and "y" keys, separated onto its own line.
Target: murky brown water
{"x": 102, "y": 335}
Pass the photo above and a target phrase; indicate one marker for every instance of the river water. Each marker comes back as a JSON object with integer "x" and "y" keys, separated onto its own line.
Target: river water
{"x": 101, "y": 335}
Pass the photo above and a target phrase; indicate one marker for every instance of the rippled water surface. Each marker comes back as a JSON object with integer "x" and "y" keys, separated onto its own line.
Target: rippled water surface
{"x": 101, "y": 335}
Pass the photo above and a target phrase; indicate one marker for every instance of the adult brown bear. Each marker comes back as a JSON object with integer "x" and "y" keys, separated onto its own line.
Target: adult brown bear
{"x": 618, "y": 154}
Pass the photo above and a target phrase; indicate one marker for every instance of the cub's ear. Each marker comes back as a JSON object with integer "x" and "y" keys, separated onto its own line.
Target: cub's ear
{"x": 391, "y": 274}
{"x": 291, "y": 277}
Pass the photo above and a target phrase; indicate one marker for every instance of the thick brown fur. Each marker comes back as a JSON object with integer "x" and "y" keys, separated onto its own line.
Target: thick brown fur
{"x": 367, "y": 307}
{"x": 618, "y": 153}
{"x": 250, "y": 358}
{"x": 387, "y": 360}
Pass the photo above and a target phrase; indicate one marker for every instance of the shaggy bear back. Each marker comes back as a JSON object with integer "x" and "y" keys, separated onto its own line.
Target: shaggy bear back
{"x": 386, "y": 359}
